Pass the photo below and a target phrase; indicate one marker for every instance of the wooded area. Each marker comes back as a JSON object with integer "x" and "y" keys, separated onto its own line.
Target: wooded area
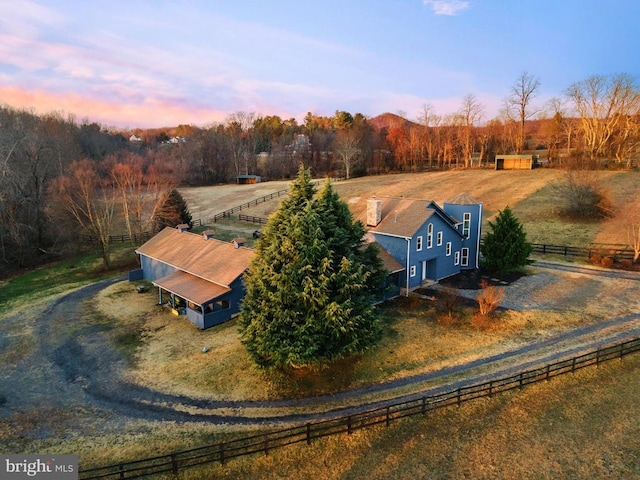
{"x": 60, "y": 177}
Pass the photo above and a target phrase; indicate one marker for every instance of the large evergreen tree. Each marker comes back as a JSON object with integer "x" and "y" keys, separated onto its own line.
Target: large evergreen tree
{"x": 309, "y": 289}
{"x": 173, "y": 211}
{"x": 505, "y": 248}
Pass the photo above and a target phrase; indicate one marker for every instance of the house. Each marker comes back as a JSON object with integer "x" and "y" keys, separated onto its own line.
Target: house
{"x": 516, "y": 162}
{"x": 201, "y": 276}
{"x": 427, "y": 242}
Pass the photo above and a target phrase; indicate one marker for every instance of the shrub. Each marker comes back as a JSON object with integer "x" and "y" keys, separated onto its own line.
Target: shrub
{"x": 449, "y": 300}
{"x": 581, "y": 195}
{"x": 595, "y": 258}
{"x": 607, "y": 262}
{"x": 626, "y": 263}
{"x": 489, "y": 298}
{"x": 505, "y": 248}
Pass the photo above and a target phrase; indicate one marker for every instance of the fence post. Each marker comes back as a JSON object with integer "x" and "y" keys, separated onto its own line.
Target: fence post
{"x": 520, "y": 380}
{"x": 547, "y": 373}
{"x": 621, "y": 350}
{"x": 424, "y": 405}
{"x": 598, "y": 358}
{"x": 266, "y": 444}
{"x": 174, "y": 464}
{"x": 573, "y": 364}
{"x": 308, "y": 434}
{"x": 491, "y": 388}
{"x": 349, "y": 425}
{"x": 222, "y": 453}
{"x": 459, "y": 397}
{"x": 387, "y": 418}
{"x": 121, "y": 470}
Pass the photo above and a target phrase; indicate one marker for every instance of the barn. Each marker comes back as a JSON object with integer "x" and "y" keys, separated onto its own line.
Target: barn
{"x": 516, "y": 162}
{"x": 248, "y": 179}
{"x": 200, "y": 276}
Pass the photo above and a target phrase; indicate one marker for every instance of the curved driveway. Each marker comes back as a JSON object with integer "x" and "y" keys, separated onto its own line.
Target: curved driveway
{"x": 78, "y": 367}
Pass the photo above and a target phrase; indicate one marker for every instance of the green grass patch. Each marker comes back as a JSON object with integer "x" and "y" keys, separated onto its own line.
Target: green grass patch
{"x": 60, "y": 277}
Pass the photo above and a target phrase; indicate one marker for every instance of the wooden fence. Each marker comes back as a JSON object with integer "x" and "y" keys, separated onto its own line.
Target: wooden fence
{"x": 252, "y": 219}
{"x": 252, "y": 203}
{"x": 306, "y": 433}
{"x": 616, "y": 252}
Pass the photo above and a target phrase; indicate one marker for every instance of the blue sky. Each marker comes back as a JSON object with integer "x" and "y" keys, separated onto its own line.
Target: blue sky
{"x": 143, "y": 63}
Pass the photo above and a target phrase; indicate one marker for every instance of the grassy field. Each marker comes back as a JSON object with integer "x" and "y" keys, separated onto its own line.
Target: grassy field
{"x": 531, "y": 194}
{"x": 583, "y": 426}
{"x": 53, "y": 280}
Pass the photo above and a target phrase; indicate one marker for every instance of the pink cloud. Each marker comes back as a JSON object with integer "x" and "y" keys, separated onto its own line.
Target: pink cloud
{"x": 148, "y": 113}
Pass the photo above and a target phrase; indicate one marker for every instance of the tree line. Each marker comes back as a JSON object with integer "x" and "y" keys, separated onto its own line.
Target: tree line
{"x": 49, "y": 162}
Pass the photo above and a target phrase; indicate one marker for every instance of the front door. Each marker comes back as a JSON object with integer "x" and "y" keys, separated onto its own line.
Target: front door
{"x": 429, "y": 270}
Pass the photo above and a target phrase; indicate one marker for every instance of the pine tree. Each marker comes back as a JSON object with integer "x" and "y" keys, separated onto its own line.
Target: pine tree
{"x": 345, "y": 238}
{"x": 308, "y": 299}
{"x": 173, "y": 211}
{"x": 505, "y": 248}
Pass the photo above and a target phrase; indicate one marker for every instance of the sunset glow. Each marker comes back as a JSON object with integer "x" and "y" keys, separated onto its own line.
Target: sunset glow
{"x": 150, "y": 64}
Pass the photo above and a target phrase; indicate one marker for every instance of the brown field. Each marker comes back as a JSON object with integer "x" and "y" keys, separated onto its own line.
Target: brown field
{"x": 529, "y": 193}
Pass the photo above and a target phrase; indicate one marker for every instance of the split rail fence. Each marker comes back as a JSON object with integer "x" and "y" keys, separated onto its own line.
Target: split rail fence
{"x": 264, "y": 443}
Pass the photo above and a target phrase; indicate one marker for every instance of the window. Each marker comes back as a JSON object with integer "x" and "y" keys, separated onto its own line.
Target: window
{"x": 430, "y": 235}
{"x": 465, "y": 257}
{"x": 439, "y": 238}
{"x": 448, "y": 247}
{"x": 466, "y": 224}
{"x": 419, "y": 243}
{"x": 221, "y": 305}
{"x": 412, "y": 271}
{"x": 456, "y": 258}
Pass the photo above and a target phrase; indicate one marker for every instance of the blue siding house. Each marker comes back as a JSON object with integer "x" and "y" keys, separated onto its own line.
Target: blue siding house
{"x": 201, "y": 276}
{"x": 429, "y": 241}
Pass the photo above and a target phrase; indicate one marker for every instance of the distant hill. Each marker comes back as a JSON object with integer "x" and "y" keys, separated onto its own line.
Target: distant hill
{"x": 388, "y": 120}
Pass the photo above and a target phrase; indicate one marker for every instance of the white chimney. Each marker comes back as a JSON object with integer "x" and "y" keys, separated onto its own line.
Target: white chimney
{"x": 374, "y": 212}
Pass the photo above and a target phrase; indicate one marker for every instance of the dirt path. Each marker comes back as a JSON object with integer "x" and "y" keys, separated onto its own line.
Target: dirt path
{"x": 69, "y": 365}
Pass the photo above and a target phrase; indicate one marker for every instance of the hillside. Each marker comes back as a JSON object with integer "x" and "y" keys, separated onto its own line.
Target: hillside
{"x": 529, "y": 193}
{"x": 388, "y": 120}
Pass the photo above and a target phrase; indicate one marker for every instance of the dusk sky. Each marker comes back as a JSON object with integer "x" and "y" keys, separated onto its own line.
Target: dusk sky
{"x": 144, "y": 63}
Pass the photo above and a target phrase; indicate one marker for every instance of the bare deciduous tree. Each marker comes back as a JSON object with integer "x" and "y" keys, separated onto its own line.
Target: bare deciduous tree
{"x": 628, "y": 218}
{"x": 489, "y": 298}
{"x": 349, "y": 152}
{"x": 518, "y": 103}
{"x": 471, "y": 112}
{"x": 90, "y": 201}
{"x": 604, "y": 104}
{"x": 140, "y": 193}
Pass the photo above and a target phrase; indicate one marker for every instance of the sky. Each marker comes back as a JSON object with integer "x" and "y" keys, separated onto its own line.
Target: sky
{"x": 161, "y": 63}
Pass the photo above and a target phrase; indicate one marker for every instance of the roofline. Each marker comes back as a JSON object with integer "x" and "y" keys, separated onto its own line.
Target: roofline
{"x": 182, "y": 296}
{"x": 391, "y": 234}
{"x": 191, "y": 273}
